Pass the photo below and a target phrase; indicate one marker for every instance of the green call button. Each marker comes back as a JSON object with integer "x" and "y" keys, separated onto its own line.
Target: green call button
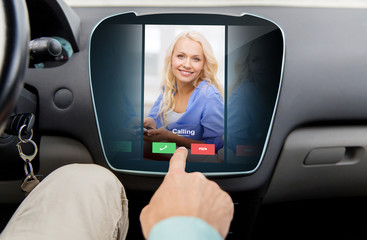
{"x": 162, "y": 147}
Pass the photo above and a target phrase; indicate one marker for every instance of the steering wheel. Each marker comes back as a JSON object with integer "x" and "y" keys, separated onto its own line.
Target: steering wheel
{"x": 14, "y": 40}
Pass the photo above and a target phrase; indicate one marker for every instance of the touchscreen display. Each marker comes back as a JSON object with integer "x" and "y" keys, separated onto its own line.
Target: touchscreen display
{"x": 184, "y": 91}
{"x": 203, "y": 81}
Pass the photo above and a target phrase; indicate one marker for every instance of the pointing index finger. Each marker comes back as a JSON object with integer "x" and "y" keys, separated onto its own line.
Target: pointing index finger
{"x": 178, "y": 160}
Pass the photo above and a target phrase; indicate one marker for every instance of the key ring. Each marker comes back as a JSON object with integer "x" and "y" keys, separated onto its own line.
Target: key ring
{"x": 20, "y": 135}
{"x": 30, "y": 173}
{"x": 26, "y": 157}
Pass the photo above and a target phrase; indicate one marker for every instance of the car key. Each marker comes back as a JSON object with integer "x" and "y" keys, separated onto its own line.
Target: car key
{"x": 29, "y": 183}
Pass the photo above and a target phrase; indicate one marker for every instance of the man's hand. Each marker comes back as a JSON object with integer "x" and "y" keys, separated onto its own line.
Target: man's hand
{"x": 188, "y": 194}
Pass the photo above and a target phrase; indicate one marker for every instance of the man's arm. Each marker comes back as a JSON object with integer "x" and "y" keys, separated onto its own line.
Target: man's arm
{"x": 190, "y": 195}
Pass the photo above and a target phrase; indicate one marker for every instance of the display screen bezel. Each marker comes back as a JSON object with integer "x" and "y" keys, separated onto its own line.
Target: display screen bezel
{"x": 148, "y": 167}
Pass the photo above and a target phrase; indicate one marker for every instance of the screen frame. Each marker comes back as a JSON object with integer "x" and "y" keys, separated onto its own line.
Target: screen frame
{"x": 174, "y": 19}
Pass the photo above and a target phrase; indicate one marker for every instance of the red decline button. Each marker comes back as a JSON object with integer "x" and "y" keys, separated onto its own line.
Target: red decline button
{"x": 202, "y": 149}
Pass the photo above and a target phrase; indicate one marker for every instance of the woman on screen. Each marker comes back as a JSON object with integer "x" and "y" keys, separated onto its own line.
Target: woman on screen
{"x": 190, "y": 108}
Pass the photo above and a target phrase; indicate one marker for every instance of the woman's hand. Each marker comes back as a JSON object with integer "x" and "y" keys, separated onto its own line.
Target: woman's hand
{"x": 149, "y": 122}
{"x": 159, "y": 135}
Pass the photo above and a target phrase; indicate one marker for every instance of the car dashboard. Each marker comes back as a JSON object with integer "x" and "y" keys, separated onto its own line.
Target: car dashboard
{"x": 315, "y": 144}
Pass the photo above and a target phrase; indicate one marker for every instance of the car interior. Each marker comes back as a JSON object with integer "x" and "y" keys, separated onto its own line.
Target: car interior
{"x": 77, "y": 82}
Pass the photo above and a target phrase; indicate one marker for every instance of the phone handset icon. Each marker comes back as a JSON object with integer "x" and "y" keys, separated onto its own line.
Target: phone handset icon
{"x": 163, "y": 148}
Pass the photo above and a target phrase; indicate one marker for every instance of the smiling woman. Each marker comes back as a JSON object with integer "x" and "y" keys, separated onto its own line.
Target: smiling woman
{"x": 189, "y": 84}
{"x": 187, "y": 60}
{"x": 158, "y": 38}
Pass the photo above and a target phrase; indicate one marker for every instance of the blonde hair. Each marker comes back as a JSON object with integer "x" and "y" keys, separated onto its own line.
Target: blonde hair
{"x": 208, "y": 73}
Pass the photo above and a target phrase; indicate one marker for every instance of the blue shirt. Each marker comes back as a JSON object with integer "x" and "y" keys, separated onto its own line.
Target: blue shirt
{"x": 203, "y": 119}
{"x": 183, "y": 228}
